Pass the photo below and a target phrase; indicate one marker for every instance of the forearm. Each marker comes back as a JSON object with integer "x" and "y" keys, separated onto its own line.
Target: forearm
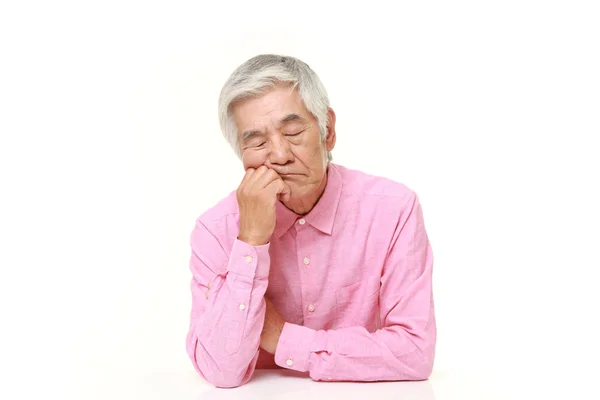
{"x": 354, "y": 354}
{"x": 224, "y": 339}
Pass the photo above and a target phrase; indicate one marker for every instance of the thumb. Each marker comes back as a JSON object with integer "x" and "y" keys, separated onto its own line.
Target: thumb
{"x": 285, "y": 192}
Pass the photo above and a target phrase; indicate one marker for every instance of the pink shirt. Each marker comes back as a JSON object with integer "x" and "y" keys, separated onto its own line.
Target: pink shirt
{"x": 352, "y": 279}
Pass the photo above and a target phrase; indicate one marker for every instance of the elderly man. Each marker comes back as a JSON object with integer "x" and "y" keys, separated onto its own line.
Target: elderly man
{"x": 308, "y": 265}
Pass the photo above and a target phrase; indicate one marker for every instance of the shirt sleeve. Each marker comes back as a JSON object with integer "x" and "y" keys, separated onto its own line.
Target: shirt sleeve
{"x": 228, "y": 307}
{"x": 404, "y": 347}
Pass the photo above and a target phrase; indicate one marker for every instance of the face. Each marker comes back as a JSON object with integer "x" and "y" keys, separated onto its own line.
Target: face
{"x": 276, "y": 130}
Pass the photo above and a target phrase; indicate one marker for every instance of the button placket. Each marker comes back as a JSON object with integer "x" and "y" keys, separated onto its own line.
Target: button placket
{"x": 304, "y": 261}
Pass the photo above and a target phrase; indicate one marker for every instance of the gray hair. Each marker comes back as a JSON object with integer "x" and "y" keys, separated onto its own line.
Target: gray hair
{"x": 263, "y": 72}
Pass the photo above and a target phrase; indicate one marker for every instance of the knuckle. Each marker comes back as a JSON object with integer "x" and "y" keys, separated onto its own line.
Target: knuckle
{"x": 243, "y": 192}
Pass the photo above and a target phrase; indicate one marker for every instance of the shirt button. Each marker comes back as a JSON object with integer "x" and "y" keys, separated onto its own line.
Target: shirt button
{"x": 311, "y": 308}
{"x": 301, "y": 221}
{"x": 242, "y": 306}
{"x": 248, "y": 259}
{"x": 306, "y": 260}
{"x": 289, "y": 362}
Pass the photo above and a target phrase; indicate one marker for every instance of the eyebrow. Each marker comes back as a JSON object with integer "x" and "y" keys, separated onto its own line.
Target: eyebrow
{"x": 248, "y": 134}
{"x": 290, "y": 117}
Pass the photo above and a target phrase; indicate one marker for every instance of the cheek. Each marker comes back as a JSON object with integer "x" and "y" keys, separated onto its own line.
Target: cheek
{"x": 253, "y": 159}
{"x": 312, "y": 159}
{"x": 316, "y": 153}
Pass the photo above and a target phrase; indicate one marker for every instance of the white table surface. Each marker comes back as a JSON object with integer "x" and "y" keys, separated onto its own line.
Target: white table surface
{"x": 284, "y": 384}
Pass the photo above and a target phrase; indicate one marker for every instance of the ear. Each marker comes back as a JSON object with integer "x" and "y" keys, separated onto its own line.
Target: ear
{"x": 330, "y": 138}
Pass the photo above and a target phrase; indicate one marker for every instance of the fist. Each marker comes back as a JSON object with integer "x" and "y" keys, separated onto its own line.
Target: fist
{"x": 257, "y": 196}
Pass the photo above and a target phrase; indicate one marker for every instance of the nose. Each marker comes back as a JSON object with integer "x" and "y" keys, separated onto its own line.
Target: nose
{"x": 280, "y": 152}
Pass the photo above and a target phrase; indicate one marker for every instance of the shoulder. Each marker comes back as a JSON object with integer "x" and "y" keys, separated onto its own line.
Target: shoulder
{"x": 363, "y": 185}
{"x": 225, "y": 212}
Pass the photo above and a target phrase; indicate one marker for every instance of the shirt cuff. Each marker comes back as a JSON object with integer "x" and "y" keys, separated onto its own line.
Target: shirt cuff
{"x": 249, "y": 261}
{"x": 295, "y": 345}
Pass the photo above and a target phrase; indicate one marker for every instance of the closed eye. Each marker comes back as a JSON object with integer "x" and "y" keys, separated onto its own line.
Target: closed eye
{"x": 294, "y": 134}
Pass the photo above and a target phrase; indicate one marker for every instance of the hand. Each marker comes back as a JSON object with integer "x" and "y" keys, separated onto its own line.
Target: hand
{"x": 256, "y": 196}
{"x": 271, "y": 329}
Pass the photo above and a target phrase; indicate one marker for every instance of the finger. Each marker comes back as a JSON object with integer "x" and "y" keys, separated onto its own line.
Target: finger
{"x": 265, "y": 179}
{"x": 257, "y": 175}
{"x": 286, "y": 192}
{"x": 247, "y": 175}
{"x": 280, "y": 189}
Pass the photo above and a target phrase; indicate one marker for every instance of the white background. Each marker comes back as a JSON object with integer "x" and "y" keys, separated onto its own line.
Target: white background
{"x": 111, "y": 148}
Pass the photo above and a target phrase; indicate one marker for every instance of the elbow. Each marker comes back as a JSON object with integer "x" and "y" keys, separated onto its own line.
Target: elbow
{"x": 417, "y": 365}
{"x": 424, "y": 372}
{"x": 214, "y": 372}
{"x": 422, "y": 359}
{"x": 226, "y": 382}
{"x": 221, "y": 378}
{"x": 423, "y": 365}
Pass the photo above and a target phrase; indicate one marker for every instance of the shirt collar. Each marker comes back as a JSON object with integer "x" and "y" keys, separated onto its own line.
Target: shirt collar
{"x": 322, "y": 216}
